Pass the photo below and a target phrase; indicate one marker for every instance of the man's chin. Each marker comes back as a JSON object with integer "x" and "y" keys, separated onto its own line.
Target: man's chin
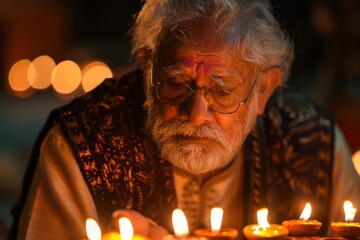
{"x": 197, "y": 158}
{"x": 199, "y": 169}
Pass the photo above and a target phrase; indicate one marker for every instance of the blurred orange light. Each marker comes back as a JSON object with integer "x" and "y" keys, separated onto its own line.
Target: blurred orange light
{"x": 39, "y": 72}
{"x": 66, "y": 77}
{"x": 93, "y": 74}
{"x": 18, "y": 77}
{"x": 356, "y": 161}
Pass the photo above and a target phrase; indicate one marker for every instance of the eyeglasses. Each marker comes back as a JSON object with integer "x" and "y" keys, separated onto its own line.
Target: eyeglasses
{"x": 219, "y": 100}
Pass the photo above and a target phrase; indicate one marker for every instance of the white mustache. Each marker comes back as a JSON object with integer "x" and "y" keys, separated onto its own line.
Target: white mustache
{"x": 183, "y": 128}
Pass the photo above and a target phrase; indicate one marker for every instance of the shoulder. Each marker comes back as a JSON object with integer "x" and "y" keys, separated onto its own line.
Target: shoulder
{"x": 113, "y": 89}
{"x": 291, "y": 109}
{"x": 123, "y": 94}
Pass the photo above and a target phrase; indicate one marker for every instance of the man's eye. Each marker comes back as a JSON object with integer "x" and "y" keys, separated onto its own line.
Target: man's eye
{"x": 175, "y": 84}
{"x": 221, "y": 93}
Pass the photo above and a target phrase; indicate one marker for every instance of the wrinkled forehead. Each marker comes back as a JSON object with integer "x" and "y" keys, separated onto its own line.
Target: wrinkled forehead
{"x": 204, "y": 54}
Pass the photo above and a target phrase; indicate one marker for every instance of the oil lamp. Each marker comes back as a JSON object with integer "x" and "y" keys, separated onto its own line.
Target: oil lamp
{"x": 126, "y": 231}
{"x": 303, "y": 226}
{"x": 216, "y": 232}
{"x": 263, "y": 230}
{"x": 181, "y": 228}
{"x": 347, "y": 229}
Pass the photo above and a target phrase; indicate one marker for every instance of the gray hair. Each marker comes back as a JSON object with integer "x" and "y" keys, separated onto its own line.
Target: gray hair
{"x": 247, "y": 26}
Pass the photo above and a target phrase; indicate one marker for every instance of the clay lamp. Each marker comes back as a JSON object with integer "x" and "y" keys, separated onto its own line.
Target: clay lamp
{"x": 263, "y": 230}
{"x": 181, "y": 228}
{"x": 347, "y": 229}
{"x": 126, "y": 231}
{"x": 303, "y": 226}
{"x": 216, "y": 232}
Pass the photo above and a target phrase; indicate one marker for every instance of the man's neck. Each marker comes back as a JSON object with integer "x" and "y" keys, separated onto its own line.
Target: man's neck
{"x": 202, "y": 178}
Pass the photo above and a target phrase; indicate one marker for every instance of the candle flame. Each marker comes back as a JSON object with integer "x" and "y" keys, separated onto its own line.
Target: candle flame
{"x": 262, "y": 218}
{"x": 180, "y": 223}
{"x": 92, "y": 229}
{"x": 216, "y": 219}
{"x": 305, "y": 215}
{"x": 126, "y": 229}
{"x": 349, "y": 211}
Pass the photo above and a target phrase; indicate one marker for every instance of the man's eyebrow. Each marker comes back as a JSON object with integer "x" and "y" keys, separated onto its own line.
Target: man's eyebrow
{"x": 218, "y": 80}
{"x": 226, "y": 80}
{"x": 171, "y": 71}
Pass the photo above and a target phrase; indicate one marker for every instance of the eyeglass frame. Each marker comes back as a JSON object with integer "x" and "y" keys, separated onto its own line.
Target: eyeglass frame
{"x": 205, "y": 91}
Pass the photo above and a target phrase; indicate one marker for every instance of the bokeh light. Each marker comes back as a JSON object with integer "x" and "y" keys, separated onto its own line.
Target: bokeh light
{"x": 66, "y": 77}
{"x": 93, "y": 74}
{"x": 25, "y": 76}
{"x": 356, "y": 160}
{"x": 18, "y": 77}
{"x": 39, "y": 72}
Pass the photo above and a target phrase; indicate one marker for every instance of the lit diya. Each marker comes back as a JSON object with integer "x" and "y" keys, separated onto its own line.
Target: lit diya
{"x": 216, "y": 232}
{"x": 303, "y": 226}
{"x": 126, "y": 231}
{"x": 181, "y": 228}
{"x": 347, "y": 229}
{"x": 263, "y": 230}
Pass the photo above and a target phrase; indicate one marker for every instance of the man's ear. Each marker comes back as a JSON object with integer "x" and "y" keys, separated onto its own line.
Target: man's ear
{"x": 143, "y": 56}
{"x": 267, "y": 83}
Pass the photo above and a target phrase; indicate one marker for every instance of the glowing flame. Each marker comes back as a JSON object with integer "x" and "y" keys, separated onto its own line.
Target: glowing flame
{"x": 305, "y": 215}
{"x": 262, "y": 218}
{"x": 126, "y": 229}
{"x": 92, "y": 230}
{"x": 349, "y": 211}
{"x": 180, "y": 223}
{"x": 216, "y": 218}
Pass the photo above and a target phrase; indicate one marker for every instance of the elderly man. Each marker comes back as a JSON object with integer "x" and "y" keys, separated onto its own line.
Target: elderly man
{"x": 213, "y": 127}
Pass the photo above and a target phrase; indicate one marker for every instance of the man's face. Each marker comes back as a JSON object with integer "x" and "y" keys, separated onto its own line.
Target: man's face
{"x": 192, "y": 136}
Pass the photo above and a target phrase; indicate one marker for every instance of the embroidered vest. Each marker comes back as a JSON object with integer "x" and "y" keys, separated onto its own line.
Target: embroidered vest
{"x": 289, "y": 160}
{"x": 288, "y": 155}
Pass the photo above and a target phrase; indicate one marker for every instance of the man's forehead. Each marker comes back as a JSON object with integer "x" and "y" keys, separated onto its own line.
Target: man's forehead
{"x": 208, "y": 64}
{"x": 212, "y": 53}
{"x": 212, "y": 58}
{"x": 214, "y": 61}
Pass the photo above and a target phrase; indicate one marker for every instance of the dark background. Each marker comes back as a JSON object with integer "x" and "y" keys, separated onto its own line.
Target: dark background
{"x": 326, "y": 34}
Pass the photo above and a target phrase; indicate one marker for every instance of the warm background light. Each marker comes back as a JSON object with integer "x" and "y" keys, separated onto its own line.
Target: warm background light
{"x": 93, "y": 74}
{"x": 40, "y": 71}
{"x": 66, "y": 77}
{"x": 356, "y": 161}
{"x": 18, "y": 77}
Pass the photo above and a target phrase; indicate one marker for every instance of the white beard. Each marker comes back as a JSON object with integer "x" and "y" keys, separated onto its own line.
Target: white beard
{"x": 211, "y": 149}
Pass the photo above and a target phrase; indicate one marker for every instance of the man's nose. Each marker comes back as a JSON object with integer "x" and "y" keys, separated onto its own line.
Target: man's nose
{"x": 196, "y": 110}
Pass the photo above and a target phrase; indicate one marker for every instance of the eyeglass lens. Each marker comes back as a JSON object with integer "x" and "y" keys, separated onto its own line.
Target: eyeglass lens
{"x": 176, "y": 93}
